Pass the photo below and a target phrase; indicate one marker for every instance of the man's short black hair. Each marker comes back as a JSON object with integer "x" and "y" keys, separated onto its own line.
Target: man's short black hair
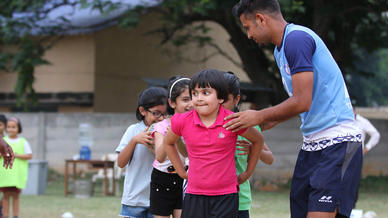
{"x": 250, "y": 6}
{"x": 213, "y": 79}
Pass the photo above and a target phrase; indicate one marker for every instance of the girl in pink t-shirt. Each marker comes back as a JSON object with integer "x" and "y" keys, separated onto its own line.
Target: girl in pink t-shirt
{"x": 212, "y": 180}
{"x": 166, "y": 185}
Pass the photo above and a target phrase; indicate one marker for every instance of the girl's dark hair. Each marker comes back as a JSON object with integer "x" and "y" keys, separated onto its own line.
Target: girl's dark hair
{"x": 233, "y": 83}
{"x": 175, "y": 88}
{"x": 149, "y": 98}
{"x": 249, "y": 6}
{"x": 211, "y": 78}
{"x": 3, "y": 119}
{"x": 233, "y": 86}
{"x": 17, "y": 121}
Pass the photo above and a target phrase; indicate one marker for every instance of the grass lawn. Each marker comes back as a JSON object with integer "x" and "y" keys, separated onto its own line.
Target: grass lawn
{"x": 265, "y": 204}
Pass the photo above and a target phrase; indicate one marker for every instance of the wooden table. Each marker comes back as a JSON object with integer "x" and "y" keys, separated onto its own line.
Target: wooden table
{"x": 92, "y": 165}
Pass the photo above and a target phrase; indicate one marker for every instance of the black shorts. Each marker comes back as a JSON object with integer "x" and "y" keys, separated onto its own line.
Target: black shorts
{"x": 166, "y": 193}
{"x": 326, "y": 180}
{"x": 202, "y": 206}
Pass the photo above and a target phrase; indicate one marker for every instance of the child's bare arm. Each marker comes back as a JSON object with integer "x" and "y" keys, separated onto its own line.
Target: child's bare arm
{"x": 169, "y": 146}
{"x": 257, "y": 140}
{"x": 266, "y": 155}
{"x": 125, "y": 155}
{"x": 160, "y": 153}
{"x": 23, "y": 156}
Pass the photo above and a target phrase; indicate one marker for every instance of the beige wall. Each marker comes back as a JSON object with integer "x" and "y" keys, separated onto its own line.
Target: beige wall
{"x": 112, "y": 62}
{"x": 71, "y": 69}
{"x": 124, "y": 57}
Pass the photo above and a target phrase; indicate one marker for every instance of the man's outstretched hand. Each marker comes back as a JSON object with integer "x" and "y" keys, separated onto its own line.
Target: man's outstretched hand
{"x": 242, "y": 120}
{"x": 7, "y": 154}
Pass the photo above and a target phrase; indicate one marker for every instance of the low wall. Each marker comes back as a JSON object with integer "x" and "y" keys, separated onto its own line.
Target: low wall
{"x": 54, "y": 137}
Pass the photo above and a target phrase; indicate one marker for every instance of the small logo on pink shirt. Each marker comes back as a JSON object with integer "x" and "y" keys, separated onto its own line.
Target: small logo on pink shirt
{"x": 221, "y": 135}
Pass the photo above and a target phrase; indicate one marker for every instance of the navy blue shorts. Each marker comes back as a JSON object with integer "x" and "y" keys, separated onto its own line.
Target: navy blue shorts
{"x": 204, "y": 206}
{"x": 327, "y": 179}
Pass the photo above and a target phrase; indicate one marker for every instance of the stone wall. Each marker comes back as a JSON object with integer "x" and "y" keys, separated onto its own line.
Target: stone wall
{"x": 54, "y": 137}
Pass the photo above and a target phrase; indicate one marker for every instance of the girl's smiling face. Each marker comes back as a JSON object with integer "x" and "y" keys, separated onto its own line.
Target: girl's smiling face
{"x": 154, "y": 114}
{"x": 12, "y": 129}
{"x": 182, "y": 103}
{"x": 205, "y": 100}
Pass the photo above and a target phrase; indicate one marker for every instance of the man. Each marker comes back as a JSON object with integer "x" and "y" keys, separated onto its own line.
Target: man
{"x": 6, "y": 153}
{"x": 323, "y": 183}
{"x": 367, "y": 129}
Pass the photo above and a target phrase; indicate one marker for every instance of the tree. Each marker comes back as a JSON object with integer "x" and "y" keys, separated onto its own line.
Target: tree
{"x": 346, "y": 26}
{"x": 370, "y": 90}
{"x": 26, "y": 32}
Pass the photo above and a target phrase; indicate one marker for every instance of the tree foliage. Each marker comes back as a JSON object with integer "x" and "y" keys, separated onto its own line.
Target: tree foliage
{"x": 346, "y": 26}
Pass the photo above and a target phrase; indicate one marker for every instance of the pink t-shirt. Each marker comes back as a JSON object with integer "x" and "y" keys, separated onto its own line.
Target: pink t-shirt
{"x": 161, "y": 128}
{"x": 212, "y": 170}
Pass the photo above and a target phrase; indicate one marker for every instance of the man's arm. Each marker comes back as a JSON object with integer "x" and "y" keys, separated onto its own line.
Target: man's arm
{"x": 302, "y": 84}
{"x": 7, "y": 153}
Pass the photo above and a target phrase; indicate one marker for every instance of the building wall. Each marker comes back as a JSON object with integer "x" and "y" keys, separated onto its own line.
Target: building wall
{"x": 124, "y": 57}
{"x": 113, "y": 62}
{"x": 54, "y": 137}
{"x": 71, "y": 68}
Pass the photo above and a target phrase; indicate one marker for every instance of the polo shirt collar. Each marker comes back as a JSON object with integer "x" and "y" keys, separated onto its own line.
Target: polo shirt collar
{"x": 219, "y": 121}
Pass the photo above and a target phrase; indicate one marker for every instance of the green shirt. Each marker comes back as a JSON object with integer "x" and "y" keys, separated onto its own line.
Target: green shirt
{"x": 245, "y": 189}
{"x": 17, "y": 176}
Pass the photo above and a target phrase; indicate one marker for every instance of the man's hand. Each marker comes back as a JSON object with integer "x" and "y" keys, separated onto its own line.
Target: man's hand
{"x": 7, "y": 154}
{"x": 242, "y": 120}
{"x": 364, "y": 151}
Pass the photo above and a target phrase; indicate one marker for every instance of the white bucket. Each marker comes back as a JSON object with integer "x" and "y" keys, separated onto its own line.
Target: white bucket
{"x": 83, "y": 188}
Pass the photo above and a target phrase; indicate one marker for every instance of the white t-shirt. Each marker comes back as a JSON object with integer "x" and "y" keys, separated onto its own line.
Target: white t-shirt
{"x": 367, "y": 128}
{"x": 138, "y": 171}
{"x": 27, "y": 147}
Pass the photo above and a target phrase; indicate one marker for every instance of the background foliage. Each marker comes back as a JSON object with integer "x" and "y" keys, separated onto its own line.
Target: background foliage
{"x": 356, "y": 31}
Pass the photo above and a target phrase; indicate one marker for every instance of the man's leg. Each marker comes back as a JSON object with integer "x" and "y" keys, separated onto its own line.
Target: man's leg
{"x": 300, "y": 185}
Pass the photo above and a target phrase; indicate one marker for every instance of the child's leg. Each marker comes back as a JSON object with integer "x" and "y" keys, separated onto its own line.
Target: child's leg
{"x": 6, "y": 200}
{"x": 15, "y": 203}
{"x": 177, "y": 213}
{"x": 1, "y": 207}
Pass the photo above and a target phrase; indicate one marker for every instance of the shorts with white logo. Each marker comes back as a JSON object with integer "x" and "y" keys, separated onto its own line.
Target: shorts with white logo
{"x": 327, "y": 179}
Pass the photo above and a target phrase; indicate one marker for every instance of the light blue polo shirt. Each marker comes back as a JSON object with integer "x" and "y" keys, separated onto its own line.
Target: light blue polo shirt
{"x": 303, "y": 50}
{"x": 138, "y": 171}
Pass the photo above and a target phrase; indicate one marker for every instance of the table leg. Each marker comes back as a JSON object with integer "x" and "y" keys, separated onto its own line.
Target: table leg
{"x": 113, "y": 181}
{"x": 66, "y": 177}
{"x": 74, "y": 171}
{"x": 105, "y": 180}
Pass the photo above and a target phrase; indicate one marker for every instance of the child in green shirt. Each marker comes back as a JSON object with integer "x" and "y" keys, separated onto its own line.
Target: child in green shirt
{"x": 243, "y": 147}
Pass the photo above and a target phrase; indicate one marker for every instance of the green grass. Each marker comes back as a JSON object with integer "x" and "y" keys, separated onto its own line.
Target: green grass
{"x": 373, "y": 196}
